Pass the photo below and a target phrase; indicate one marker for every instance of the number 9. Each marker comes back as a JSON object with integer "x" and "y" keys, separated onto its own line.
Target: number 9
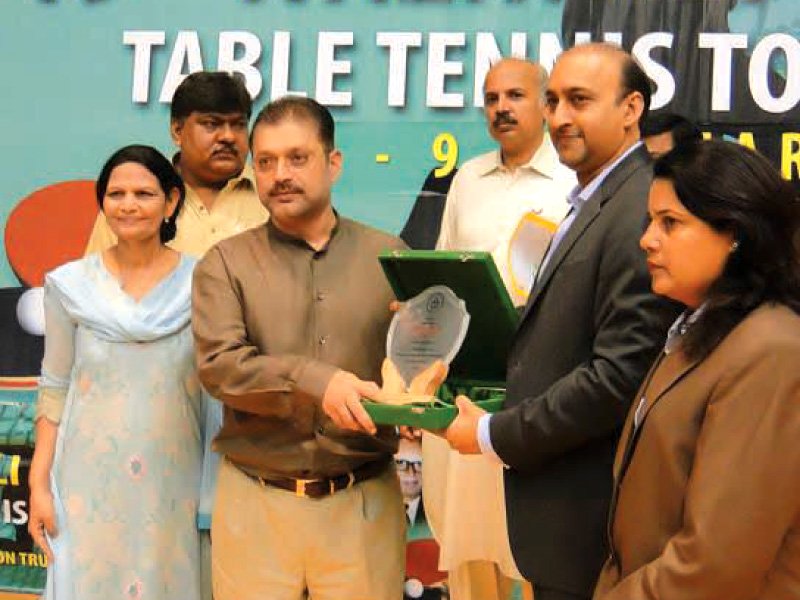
{"x": 445, "y": 150}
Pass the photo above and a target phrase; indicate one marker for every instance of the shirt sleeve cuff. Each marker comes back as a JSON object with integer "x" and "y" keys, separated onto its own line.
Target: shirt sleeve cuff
{"x": 315, "y": 377}
{"x": 485, "y": 439}
{"x": 50, "y": 404}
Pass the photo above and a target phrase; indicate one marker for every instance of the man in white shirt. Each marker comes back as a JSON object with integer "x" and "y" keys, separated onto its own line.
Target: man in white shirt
{"x": 521, "y": 185}
{"x": 491, "y": 193}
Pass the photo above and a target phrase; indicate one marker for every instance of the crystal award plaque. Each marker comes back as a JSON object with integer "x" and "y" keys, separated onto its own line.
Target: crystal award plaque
{"x": 429, "y": 327}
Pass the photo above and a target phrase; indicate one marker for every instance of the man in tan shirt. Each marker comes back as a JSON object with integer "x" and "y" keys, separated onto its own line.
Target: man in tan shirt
{"x": 208, "y": 124}
{"x": 290, "y": 321}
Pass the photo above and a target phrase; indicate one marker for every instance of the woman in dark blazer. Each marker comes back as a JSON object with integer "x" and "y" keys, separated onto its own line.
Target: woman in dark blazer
{"x": 706, "y": 500}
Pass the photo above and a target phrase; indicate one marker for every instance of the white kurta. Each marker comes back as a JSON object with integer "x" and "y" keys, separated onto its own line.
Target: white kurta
{"x": 464, "y": 496}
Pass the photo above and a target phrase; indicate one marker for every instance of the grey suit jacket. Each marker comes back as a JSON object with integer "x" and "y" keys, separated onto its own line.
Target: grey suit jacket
{"x": 587, "y": 336}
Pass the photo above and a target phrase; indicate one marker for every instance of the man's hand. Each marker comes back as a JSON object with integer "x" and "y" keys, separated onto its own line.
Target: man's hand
{"x": 342, "y": 402}
{"x": 462, "y": 434}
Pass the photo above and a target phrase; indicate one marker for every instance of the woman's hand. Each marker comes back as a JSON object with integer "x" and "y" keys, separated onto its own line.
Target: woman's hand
{"x": 41, "y": 518}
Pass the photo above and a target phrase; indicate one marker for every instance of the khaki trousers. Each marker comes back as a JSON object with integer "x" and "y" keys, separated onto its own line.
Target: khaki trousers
{"x": 483, "y": 580}
{"x": 270, "y": 543}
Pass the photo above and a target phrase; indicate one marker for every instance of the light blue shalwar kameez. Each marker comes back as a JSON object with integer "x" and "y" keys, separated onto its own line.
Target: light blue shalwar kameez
{"x": 127, "y": 464}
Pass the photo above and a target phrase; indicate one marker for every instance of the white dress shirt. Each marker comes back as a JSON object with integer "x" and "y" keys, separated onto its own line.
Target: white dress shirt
{"x": 487, "y": 201}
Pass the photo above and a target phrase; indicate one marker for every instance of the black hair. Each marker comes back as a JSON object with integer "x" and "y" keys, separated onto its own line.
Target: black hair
{"x": 215, "y": 92}
{"x": 302, "y": 108}
{"x": 634, "y": 79}
{"x": 681, "y": 128}
{"x": 155, "y": 162}
{"x": 736, "y": 190}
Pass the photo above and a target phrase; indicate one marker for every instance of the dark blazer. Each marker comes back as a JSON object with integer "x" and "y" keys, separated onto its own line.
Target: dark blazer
{"x": 590, "y": 330}
{"x": 706, "y": 490}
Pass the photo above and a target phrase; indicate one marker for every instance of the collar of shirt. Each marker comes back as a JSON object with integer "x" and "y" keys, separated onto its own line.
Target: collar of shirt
{"x": 242, "y": 183}
{"x": 245, "y": 178}
{"x": 595, "y": 183}
{"x": 575, "y": 199}
{"x": 283, "y": 237}
{"x": 681, "y": 325}
{"x": 543, "y": 161}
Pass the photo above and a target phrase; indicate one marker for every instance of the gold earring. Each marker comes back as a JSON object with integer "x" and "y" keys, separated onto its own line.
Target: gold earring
{"x": 735, "y": 246}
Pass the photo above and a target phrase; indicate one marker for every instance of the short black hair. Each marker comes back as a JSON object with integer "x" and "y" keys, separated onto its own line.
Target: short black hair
{"x": 299, "y": 107}
{"x": 736, "y": 190}
{"x": 634, "y": 79}
{"x": 155, "y": 162}
{"x": 214, "y": 92}
{"x": 681, "y": 128}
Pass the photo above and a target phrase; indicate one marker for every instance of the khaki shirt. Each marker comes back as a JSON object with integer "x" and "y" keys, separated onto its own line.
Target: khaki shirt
{"x": 236, "y": 209}
{"x": 273, "y": 320}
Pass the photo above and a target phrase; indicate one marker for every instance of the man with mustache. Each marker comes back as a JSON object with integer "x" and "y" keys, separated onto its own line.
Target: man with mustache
{"x": 489, "y": 196}
{"x": 290, "y": 322}
{"x": 208, "y": 123}
{"x": 491, "y": 192}
{"x": 588, "y": 333}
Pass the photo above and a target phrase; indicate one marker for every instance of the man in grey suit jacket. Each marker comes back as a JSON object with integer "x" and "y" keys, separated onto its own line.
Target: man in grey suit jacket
{"x": 588, "y": 333}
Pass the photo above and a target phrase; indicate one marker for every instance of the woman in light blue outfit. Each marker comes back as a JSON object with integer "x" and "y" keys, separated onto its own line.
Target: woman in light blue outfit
{"x": 116, "y": 471}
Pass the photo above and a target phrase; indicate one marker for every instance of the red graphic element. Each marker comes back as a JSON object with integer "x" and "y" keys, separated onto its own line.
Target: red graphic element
{"x": 50, "y": 227}
{"x": 422, "y": 561}
{"x": 18, "y": 383}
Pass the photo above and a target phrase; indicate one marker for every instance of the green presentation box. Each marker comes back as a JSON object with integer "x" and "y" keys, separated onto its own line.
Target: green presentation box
{"x": 478, "y": 371}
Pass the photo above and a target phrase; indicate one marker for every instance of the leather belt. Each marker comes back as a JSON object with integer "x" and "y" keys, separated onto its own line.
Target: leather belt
{"x": 325, "y": 486}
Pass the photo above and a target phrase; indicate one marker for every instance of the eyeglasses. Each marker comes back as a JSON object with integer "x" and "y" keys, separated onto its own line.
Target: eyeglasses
{"x": 404, "y": 465}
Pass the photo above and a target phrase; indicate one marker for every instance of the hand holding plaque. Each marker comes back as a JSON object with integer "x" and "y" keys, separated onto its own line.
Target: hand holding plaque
{"x": 422, "y": 388}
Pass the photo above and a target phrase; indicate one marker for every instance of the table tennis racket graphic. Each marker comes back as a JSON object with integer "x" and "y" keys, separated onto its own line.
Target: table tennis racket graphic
{"x": 48, "y": 228}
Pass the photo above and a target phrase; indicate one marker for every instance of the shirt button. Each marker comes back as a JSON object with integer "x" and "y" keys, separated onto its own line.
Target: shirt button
{"x": 323, "y": 340}
{"x": 320, "y": 296}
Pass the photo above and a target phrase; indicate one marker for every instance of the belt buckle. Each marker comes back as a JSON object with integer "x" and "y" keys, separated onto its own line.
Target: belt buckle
{"x": 300, "y": 486}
